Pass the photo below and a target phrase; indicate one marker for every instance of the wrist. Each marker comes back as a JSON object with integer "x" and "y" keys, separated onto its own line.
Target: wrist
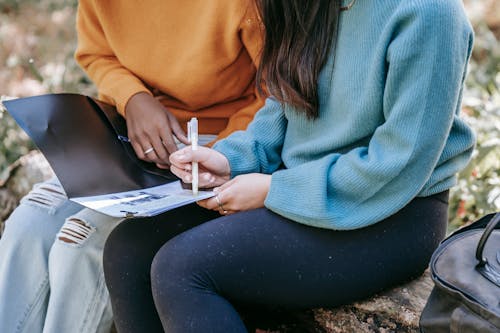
{"x": 225, "y": 168}
{"x": 136, "y": 99}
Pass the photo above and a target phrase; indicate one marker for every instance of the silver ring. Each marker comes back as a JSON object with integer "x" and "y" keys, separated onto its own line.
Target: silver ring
{"x": 221, "y": 207}
{"x": 147, "y": 151}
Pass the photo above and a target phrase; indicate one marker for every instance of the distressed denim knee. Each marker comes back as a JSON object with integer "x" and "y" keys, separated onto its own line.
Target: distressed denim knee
{"x": 75, "y": 231}
{"x": 48, "y": 195}
{"x": 86, "y": 226}
{"x": 40, "y": 214}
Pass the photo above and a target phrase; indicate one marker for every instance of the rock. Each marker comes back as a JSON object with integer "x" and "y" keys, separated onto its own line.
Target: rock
{"x": 7, "y": 203}
{"x": 394, "y": 311}
{"x": 18, "y": 179}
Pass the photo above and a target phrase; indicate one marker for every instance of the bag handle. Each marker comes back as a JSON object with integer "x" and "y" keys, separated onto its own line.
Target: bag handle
{"x": 488, "y": 271}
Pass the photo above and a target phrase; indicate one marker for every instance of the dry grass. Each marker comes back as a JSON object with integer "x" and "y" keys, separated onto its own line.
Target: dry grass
{"x": 37, "y": 41}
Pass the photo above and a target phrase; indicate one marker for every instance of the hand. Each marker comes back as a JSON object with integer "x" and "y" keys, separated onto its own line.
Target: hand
{"x": 150, "y": 125}
{"x": 213, "y": 167}
{"x": 241, "y": 193}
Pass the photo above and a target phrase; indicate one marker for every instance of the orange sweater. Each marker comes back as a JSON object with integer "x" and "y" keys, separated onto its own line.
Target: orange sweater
{"x": 199, "y": 56}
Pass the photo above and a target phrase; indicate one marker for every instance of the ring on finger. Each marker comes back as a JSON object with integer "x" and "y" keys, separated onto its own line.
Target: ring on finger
{"x": 149, "y": 150}
{"x": 219, "y": 203}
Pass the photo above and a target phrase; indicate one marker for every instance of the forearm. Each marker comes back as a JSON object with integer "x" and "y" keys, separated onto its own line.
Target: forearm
{"x": 115, "y": 83}
{"x": 258, "y": 149}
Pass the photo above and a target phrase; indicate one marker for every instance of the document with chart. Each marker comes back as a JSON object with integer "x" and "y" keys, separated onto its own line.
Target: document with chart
{"x": 144, "y": 202}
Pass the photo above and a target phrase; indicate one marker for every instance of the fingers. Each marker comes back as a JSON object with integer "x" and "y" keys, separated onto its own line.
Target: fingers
{"x": 182, "y": 173}
{"x": 187, "y": 155}
{"x": 177, "y": 130}
{"x": 213, "y": 166}
{"x": 142, "y": 153}
{"x": 224, "y": 186}
{"x": 168, "y": 142}
{"x": 205, "y": 179}
{"x": 216, "y": 203}
{"x": 163, "y": 166}
{"x": 150, "y": 129}
{"x": 181, "y": 158}
{"x": 184, "y": 157}
{"x": 220, "y": 204}
{"x": 233, "y": 196}
{"x": 160, "y": 152}
{"x": 150, "y": 149}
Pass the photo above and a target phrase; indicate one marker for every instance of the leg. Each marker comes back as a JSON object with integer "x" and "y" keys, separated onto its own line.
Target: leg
{"x": 24, "y": 248}
{"x": 79, "y": 300}
{"x": 258, "y": 257}
{"x": 128, "y": 254}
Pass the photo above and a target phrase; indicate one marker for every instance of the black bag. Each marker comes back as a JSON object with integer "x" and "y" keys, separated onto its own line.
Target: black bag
{"x": 465, "y": 269}
{"x": 84, "y": 141}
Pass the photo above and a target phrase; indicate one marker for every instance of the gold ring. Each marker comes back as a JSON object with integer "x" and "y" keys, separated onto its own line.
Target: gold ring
{"x": 221, "y": 207}
{"x": 147, "y": 151}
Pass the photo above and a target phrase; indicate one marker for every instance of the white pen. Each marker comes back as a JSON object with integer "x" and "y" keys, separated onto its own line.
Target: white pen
{"x": 193, "y": 138}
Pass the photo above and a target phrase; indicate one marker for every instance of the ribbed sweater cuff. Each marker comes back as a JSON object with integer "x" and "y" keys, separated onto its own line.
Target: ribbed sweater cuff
{"x": 237, "y": 162}
{"x": 122, "y": 95}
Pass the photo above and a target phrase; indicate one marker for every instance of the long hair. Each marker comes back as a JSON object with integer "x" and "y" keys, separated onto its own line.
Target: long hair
{"x": 299, "y": 35}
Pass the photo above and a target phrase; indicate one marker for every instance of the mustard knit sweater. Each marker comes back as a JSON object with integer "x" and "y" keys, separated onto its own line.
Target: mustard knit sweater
{"x": 198, "y": 56}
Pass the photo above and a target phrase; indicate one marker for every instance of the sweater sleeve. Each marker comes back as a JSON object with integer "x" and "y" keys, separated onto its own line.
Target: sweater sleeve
{"x": 426, "y": 64}
{"x": 251, "y": 34}
{"x": 258, "y": 149}
{"x": 115, "y": 83}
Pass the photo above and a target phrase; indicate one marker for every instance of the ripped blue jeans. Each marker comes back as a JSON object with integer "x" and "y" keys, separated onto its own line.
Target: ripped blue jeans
{"x": 51, "y": 275}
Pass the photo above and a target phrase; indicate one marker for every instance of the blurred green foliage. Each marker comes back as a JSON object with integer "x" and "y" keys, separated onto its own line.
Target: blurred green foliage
{"x": 45, "y": 5}
{"x": 37, "y": 41}
{"x": 13, "y": 141}
{"x": 478, "y": 189}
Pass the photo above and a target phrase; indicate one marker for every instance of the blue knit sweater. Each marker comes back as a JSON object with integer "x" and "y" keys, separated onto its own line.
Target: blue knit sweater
{"x": 388, "y": 128}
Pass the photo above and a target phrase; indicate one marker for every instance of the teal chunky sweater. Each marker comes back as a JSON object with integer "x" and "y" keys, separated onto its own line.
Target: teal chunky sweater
{"x": 388, "y": 129}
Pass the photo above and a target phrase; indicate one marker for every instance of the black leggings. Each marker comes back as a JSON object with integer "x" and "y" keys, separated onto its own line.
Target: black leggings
{"x": 184, "y": 271}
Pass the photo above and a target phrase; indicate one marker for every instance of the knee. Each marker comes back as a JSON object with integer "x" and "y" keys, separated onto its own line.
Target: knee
{"x": 125, "y": 257}
{"x": 114, "y": 246}
{"x": 34, "y": 216}
{"x": 75, "y": 231}
{"x": 81, "y": 227}
{"x": 169, "y": 275}
{"x": 180, "y": 267}
{"x": 47, "y": 196}
{"x": 33, "y": 221}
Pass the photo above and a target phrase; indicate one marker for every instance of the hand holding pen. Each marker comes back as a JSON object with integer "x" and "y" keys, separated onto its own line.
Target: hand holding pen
{"x": 214, "y": 172}
{"x": 213, "y": 167}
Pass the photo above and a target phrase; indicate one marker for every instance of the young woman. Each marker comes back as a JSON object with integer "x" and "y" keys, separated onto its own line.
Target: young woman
{"x": 337, "y": 190}
{"x": 161, "y": 63}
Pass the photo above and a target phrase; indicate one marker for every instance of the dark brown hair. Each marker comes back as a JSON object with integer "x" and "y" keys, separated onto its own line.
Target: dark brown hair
{"x": 299, "y": 35}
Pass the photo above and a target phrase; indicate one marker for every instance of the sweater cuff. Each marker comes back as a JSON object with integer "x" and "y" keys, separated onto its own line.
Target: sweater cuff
{"x": 122, "y": 95}
{"x": 233, "y": 151}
